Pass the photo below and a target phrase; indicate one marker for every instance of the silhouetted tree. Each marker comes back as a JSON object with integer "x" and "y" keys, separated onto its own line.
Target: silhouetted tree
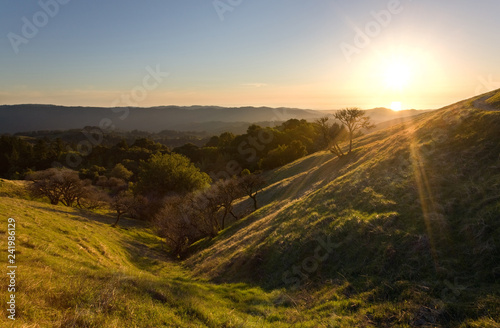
{"x": 332, "y": 134}
{"x": 354, "y": 119}
{"x": 225, "y": 192}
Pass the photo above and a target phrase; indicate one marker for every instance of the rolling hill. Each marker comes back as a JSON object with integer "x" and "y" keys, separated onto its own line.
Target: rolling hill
{"x": 403, "y": 232}
{"x": 75, "y": 270}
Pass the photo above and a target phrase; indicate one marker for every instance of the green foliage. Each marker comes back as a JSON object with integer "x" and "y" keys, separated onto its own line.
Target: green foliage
{"x": 283, "y": 155}
{"x": 121, "y": 172}
{"x": 166, "y": 173}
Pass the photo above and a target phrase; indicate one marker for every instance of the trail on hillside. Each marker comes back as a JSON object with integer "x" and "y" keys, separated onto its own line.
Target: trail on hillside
{"x": 481, "y": 104}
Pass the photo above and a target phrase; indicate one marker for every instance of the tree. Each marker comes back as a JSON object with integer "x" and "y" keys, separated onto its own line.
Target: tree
{"x": 123, "y": 203}
{"x": 173, "y": 223}
{"x": 251, "y": 184}
{"x": 166, "y": 173}
{"x": 284, "y": 154}
{"x": 225, "y": 140}
{"x": 332, "y": 134}
{"x": 203, "y": 208}
{"x": 213, "y": 142}
{"x": 121, "y": 172}
{"x": 354, "y": 120}
{"x": 225, "y": 191}
{"x": 63, "y": 185}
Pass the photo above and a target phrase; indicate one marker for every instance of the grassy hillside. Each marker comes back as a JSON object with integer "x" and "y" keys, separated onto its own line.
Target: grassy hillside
{"x": 412, "y": 218}
{"x": 74, "y": 270}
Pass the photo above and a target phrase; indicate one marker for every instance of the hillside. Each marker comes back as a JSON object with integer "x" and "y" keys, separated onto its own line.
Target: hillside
{"x": 412, "y": 217}
{"x": 403, "y": 232}
{"x": 75, "y": 270}
{"x": 211, "y": 119}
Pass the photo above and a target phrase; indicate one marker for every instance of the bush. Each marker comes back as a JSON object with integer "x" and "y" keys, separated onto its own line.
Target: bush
{"x": 184, "y": 220}
{"x": 65, "y": 186}
{"x": 164, "y": 174}
{"x": 173, "y": 222}
{"x": 283, "y": 155}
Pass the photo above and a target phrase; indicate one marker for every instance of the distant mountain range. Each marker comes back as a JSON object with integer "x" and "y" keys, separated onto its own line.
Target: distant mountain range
{"x": 212, "y": 119}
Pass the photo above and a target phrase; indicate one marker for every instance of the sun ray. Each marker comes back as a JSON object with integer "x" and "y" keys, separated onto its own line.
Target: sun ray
{"x": 434, "y": 220}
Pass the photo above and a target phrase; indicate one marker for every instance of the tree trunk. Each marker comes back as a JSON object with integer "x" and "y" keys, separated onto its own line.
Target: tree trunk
{"x": 118, "y": 216}
{"x": 350, "y": 141}
{"x": 254, "y": 197}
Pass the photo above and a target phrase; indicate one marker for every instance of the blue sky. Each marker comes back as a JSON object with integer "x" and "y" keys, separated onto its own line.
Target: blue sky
{"x": 426, "y": 54}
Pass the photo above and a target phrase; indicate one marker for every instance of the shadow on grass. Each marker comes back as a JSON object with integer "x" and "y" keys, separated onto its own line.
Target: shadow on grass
{"x": 88, "y": 215}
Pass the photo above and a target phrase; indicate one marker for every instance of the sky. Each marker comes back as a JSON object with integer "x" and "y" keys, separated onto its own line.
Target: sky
{"x": 314, "y": 54}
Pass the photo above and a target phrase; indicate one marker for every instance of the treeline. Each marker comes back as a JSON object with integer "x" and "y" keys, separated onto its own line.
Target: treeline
{"x": 169, "y": 138}
{"x": 21, "y": 156}
{"x": 264, "y": 148}
{"x": 260, "y": 148}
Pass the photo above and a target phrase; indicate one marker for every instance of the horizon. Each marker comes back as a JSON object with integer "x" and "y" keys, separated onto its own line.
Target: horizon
{"x": 217, "y": 106}
{"x": 319, "y": 56}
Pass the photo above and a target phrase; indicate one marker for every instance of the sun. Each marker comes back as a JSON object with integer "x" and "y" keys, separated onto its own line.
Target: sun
{"x": 397, "y": 75}
{"x": 396, "y": 106}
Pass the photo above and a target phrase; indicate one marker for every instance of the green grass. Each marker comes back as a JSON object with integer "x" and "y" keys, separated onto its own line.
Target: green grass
{"x": 75, "y": 270}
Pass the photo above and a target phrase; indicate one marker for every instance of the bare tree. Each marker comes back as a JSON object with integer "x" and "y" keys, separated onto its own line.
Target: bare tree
{"x": 354, "y": 119}
{"x": 47, "y": 183}
{"x": 226, "y": 192}
{"x": 173, "y": 223}
{"x": 332, "y": 134}
{"x": 59, "y": 185}
{"x": 251, "y": 184}
{"x": 91, "y": 197}
{"x": 204, "y": 207}
{"x": 65, "y": 186}
{"x": 123, "y": 203}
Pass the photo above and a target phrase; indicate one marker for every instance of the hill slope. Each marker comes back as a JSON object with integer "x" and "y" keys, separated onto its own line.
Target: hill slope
{"x": 412, "y": 215}
{"x": 75, "y": 270}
